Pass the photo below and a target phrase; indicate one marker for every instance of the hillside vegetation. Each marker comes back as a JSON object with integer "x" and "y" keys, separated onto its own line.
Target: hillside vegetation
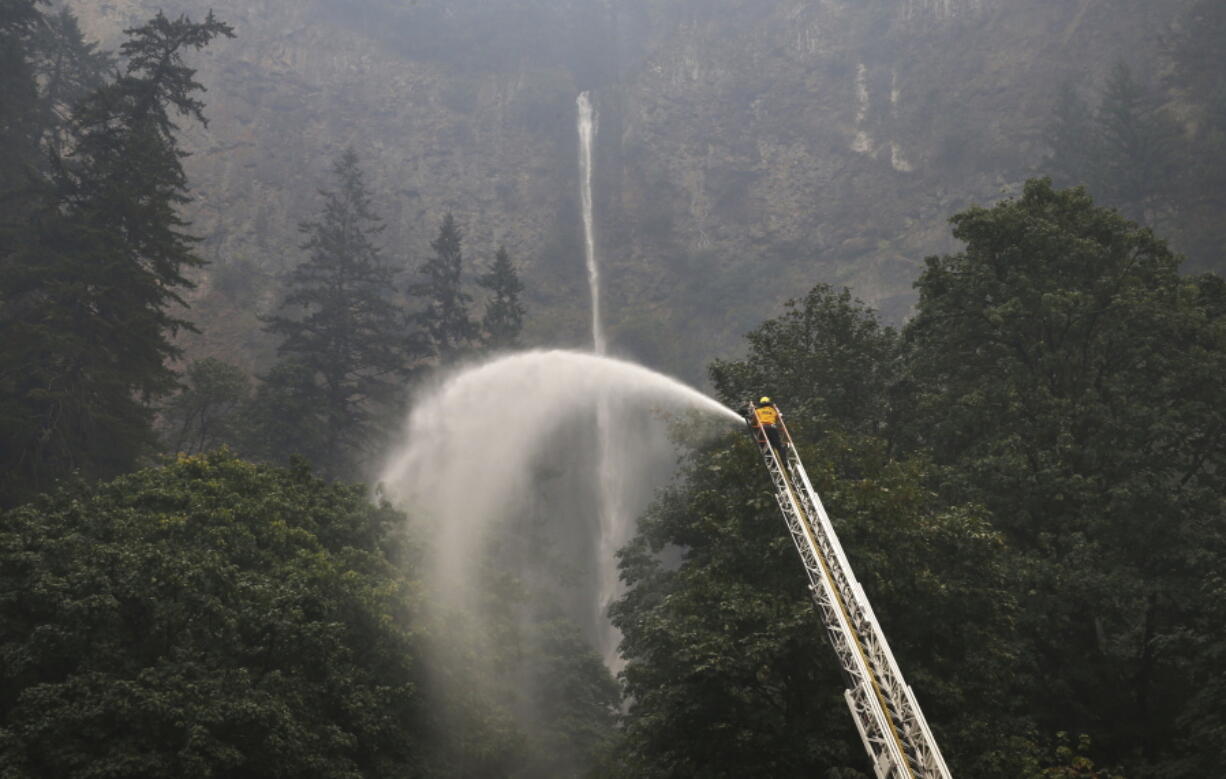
{"x": 1028, "y": 474}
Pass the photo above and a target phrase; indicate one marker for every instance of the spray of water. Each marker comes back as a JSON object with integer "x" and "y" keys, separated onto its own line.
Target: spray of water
{"x": 475, "y": 447}
{"x": 471, "y": 449}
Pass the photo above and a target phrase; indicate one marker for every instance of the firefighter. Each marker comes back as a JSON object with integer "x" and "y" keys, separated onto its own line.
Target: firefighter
{"x": 766, "y": 417}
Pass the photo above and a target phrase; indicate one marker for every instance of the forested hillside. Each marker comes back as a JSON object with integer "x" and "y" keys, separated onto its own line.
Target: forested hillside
{"x": 1027, "y": 471}
{"x": 745, "y": 149}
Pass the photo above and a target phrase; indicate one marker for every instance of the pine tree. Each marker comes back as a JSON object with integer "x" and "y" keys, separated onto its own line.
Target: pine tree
{"x": 444, "y": 329}
{"x": 347, "y": 336}
{"x": 289, "y": 391}
{"x": 19, "y": 127}
{"x": 504, "y": 314}
{"x": 1136, "y": 145}
{"x": 69, "y": 68}
{"x": 89, "y": 286}
{"x": 1071, "y": 136}
{"x": 1196, "y": 51}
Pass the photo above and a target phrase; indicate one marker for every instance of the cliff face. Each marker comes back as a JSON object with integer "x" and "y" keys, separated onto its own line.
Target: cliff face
{"x": 746, "y": 148}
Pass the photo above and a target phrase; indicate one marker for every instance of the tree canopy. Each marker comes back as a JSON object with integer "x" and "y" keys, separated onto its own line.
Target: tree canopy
{"x": 207, "y": 618}
{"x": 445, "y": 330}
{"x": 1068, "y": 376}
{"x": 1028, "y": 485}
{"x": 345, "y": 343}
{"x": 91, "y": 279}
{"x": 728, "y": 672}
{"x": 504, "y": 313}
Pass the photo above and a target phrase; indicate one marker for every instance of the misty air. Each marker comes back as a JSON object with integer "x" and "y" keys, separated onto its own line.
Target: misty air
{"x": 575, "y": 388}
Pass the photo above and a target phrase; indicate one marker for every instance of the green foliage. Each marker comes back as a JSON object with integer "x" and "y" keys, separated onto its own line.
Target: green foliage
{"x": 525, "y": 694}
{"x": 1125, "y": 149}
{"x": 445, "y": 331}
{"x": 69, "y": 69}
{"x": 1071, "y": 137}
{"x": 1155, "y": 150}
{"x": 1137, "y": 144}
{"x": 89, "y": 281}
{"x": 1067, "y": 375}
{"x": 504, "y": 314}
{"x": 206, "y": 412}
{"x": 1195, "y": 51}
{"x": 19, "y": 23}
{"x": 521, "y": 692}
{"x": 827, "y": 359}
{"x": 573, "y": 696}
{"x": 346, "y": 339}
{"x": 283, "y": 418}
{"x": 729, "y": 672}
{"x": 1201, "y": 740}
{"x": 1068, "y": 761}
{"x": 1197, "y": 77}
{"x": 207, "y": 618}
{"x": 1040, "y": 533}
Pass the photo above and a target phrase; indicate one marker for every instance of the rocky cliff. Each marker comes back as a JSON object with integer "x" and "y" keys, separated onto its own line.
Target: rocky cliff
{"x": 746, "y": 148}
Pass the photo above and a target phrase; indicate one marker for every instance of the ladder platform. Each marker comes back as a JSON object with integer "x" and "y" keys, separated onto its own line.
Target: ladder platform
{"x": 887, "y": 716}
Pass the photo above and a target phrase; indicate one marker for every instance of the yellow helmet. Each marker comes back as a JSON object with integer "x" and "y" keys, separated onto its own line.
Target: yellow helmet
{"x": 764, "y": 400}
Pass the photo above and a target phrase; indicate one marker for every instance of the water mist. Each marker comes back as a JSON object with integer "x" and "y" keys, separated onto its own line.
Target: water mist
{"x": 473, "y": 447}
{"x": 537, "y": 456}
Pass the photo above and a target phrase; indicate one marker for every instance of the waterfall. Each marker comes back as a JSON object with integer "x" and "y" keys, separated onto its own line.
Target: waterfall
{"x": 587, "y": 132}
{"x": 612, "y": 465}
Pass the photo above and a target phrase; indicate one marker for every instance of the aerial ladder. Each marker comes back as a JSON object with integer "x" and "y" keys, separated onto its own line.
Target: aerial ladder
{"x": 890, "y": 722}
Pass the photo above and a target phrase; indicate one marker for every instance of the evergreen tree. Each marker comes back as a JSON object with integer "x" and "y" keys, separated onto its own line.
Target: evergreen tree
{"x": 1195, "y": 51}
{"x": 69, "y": 69}
{"x": 444, "y": 329}
{"x": 289, "y": 391}
{"x": 504, "y": 314}
{"x": 346, "y": 338}
{"x": 89, "y": 286}
{"x": 206, "y": 412}
{"x": 1137, "y": 146}
{"x": 1072, "y": 139}
{"x": 1198, "y": 77}
{"x": 20, "y": 21}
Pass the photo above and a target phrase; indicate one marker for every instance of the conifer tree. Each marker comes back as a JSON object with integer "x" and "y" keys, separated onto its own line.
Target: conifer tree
{"x": 1071, "y": 137}
{"x": 289, "y": 391}
{"x": 19, "y": 23}
{"x": 69, "y": 69}
{"x": 346, "y": 339}
{"x": 504, "y": 314}
{"x": 445, "y": 331}
{"x": 205, "y": 414}
{"x": 1196, "y": 52}
{"x": 89, "y": 285}
{"x": 1136, "y": 145}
